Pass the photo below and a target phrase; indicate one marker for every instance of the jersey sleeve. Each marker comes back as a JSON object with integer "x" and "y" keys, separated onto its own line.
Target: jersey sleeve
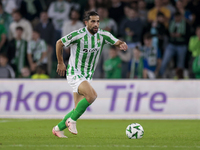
{"x": 69, "y": 39}
{"x": 109, "y": 38}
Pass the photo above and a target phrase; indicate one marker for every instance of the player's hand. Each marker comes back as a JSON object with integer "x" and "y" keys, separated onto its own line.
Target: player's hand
{"x": 123, "y": 46}
{"x": 61, "y": 68}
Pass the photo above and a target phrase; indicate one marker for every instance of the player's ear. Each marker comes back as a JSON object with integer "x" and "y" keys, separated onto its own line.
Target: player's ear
{"x": 85, "y": 22}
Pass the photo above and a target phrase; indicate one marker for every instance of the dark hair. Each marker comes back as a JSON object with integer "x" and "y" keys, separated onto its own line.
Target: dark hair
{"x": 87, "y": 6}
{"x": 88, "y": 14}
{"x": 137, "y": 48}
{"x": 177, "y": 14}
{"x": 37, "y": 31}
{"x": 3, "y": 55}
{"x": 134, "y": 9}
{"x": 160, "y": 14}
{"x": 16, "y": 12}
{"x": 148, "y": 36}
{"x": 198, "y": 27}
{"x": 44, "y": 11}
{"x": 73, "y": 9}
{"x": 1, "y": 4}
{"x": 19, "y": 28}
{"x": 40, "y": 69}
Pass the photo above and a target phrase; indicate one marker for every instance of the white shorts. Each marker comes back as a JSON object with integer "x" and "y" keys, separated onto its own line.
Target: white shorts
{"x": 75, "y": 80}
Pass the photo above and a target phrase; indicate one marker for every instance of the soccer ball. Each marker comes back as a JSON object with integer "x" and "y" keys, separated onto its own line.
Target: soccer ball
{"x": 134, "y": 131}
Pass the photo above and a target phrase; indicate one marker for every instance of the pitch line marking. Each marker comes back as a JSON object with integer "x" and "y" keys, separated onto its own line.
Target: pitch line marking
{"x": 139, "y": 146}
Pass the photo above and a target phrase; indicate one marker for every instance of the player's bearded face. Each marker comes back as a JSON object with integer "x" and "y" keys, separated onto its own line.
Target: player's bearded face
{"x": 93, "y": 24}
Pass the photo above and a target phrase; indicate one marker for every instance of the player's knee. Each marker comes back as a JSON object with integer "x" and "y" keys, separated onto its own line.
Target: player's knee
{"x": 95, "y": 94}
{"x": 91, "y": 97}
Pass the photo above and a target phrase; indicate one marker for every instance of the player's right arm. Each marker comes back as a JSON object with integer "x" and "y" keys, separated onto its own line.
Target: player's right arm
{"x": 64, "y": 41}
{"x": 61, "y": 68}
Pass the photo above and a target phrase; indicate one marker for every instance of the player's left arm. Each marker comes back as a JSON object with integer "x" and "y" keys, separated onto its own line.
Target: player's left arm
{"x": 122, "y": 45}
{"x": 110, "y": 39}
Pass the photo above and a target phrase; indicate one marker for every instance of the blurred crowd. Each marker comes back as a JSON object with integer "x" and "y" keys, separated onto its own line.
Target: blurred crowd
{"x": 163, "y": 37}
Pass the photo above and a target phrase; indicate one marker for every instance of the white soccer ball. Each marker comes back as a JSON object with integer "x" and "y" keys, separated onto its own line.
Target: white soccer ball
{"x": 134, "y": 131}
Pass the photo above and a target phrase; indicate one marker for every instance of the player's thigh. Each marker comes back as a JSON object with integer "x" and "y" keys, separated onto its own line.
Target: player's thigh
{"x": 87, "y": 91}
{"x": 77, "y": 98}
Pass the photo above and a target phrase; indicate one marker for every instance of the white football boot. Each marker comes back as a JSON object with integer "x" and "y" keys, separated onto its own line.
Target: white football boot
{"x": 71, "y": 125}
{"x": 59, "y": 134}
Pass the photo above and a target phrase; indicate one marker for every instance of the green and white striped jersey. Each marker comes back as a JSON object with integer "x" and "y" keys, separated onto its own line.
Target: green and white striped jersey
{"x": 85, "y": 50}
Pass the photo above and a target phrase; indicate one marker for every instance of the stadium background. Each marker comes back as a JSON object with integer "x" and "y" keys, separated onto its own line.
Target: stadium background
{"x": 164, "y": 43}
{"x": 129, "y": 20}
{"x": 31, "y": 103}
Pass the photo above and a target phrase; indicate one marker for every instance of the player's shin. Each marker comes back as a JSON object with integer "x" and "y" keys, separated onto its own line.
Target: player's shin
{"x": 80, "y": 109}
{"x": 62, "y": 124}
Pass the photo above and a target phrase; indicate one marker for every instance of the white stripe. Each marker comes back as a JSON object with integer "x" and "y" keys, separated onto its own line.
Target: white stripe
{"x": 80, "y": 54}
{"x": 97, "y": 59}
{"x": 73, "y": 50}
{"x": 109, "y": 35}
{"x": 88, "y": 54}
{"x": 87, "y": 63}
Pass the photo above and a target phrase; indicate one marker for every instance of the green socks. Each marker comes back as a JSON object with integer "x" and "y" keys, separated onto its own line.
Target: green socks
{"x": 80, "y": 109}
{"x": 62, "y": 125}
{"x": 74, "y": 114}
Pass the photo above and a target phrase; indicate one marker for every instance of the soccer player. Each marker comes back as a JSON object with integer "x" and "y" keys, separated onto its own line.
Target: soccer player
{"x": 86, "y": 45}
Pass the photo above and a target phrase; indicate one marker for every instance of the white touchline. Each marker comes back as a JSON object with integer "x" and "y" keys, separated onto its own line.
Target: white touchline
{"x": 15, "y": 120}
{"x": 155, "y": 146}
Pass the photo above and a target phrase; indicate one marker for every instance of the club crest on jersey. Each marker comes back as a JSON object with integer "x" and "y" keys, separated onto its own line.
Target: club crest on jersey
{"x": 98, "y": 41}
{"x": 69, "y": 37}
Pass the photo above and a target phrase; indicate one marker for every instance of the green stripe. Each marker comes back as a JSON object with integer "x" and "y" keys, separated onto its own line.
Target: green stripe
{"x": 93, "y": 65}
{"x": 102, "y": 48}
{"x": 72, "y": 71}
{"x": 98, "y": 40}
{"x": 83, "y": 63}
{"x": 86, "y": 41}
{"x": 84, "y": 29}
{"x": 91, "y": 74}
{"x": 89, "y": 64}
{"x": 74, "y": 34}
{"x": 107, "y": 38}
{"x": 77, "y": 53}
{"x": 95, "y": 59}
{"x": 68, "y": 66}
{"x": 63, "y": 40}
{"x": 93, "y": 42}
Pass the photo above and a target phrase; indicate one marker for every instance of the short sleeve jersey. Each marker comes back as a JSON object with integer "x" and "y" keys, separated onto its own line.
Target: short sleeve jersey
{"x": 36, "y": 48}
{"x": 85, "y": 50}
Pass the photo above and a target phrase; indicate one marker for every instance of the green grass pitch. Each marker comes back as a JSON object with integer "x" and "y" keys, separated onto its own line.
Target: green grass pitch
{"x": 35, "y": 134}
